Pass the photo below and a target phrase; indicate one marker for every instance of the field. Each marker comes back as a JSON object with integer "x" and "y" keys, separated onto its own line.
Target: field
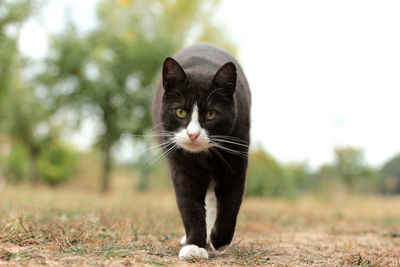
{"x": 75, "y": 227}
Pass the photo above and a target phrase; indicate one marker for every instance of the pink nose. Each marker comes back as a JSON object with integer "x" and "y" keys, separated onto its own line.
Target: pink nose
{"x": 193, "y": 136}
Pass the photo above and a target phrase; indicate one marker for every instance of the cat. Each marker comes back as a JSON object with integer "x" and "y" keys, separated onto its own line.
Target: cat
{"x": 201, "y": 114}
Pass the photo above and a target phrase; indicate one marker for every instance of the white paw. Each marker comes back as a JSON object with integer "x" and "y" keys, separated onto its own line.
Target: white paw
{"x": 193, "y": 251}
{"x": 183, "y": 240}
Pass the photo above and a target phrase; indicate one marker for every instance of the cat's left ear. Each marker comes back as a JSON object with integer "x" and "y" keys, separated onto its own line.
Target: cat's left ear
{"x": 226, "y": 77}
{"x": 172, "y": 74}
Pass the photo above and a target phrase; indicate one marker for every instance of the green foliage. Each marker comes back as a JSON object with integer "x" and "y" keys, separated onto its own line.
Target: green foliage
{"x": 350, "y": 164}
{"x": 57, "y": 164}
{"x": 34, "y": 153}
{"x": 28, "y": 125}
{"x": 13, "y": 14}
{"x": 28, "y": 120}
{"x": 391, "y": 173}
{"x": 350, "y": 172}
{"x": 16, "y": 167}
{"x": 26, "y": 114}
{"x": 266, "y": 177}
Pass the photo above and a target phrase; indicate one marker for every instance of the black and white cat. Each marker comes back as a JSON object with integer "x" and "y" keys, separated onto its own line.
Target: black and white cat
{"x": 201, "y": 113}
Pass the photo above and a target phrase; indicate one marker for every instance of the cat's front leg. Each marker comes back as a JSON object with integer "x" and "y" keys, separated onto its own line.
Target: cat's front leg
{"x": 229, "y": 199}
{"x": 190, "y": 190}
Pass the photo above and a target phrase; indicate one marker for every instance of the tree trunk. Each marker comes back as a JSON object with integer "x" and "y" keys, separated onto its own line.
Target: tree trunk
{"x": 143, "y": 183}
{"x": 33, "y": 168}
{"x": 105, "y": 179}
{"x": 144, "y": 175}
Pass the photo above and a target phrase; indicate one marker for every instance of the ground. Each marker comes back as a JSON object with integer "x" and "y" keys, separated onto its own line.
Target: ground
{"x": 73, "y": 227}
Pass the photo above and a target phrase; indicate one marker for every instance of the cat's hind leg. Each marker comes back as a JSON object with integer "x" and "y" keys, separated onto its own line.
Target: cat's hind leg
{"x": 229, "y": 198}
{"x": 211, "y": 209}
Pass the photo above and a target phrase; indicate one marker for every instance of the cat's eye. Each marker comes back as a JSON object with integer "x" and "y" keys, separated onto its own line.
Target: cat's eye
{"x": 210, "y": 115}
{"x": 180, "y": 113}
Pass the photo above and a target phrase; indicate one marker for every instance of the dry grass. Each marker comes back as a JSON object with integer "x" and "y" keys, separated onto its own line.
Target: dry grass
{"x": 76, "y": 228}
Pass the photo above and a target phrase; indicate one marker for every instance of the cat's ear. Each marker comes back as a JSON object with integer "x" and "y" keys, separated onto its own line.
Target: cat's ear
{"x": 226, "y": 77}
{"x": 172, "y": 73}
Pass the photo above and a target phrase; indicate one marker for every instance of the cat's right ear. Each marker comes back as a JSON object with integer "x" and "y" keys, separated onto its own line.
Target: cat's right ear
{"x": 226, "y": 77}
{"x": 172, "y": 74}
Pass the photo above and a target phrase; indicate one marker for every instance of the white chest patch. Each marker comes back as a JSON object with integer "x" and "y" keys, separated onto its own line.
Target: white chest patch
{"x": 193, "y": 138}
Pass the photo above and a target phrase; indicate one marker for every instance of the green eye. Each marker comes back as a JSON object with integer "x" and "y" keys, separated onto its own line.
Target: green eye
{"x": 180, "y": 113}
{"x": 210, "y": 115}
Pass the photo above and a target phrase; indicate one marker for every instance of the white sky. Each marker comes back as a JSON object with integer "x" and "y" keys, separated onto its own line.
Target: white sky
{"x": 322, "y": 73}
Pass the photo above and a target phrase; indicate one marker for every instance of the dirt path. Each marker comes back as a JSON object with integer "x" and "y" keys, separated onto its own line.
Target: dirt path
{"x": 63, "y": 228}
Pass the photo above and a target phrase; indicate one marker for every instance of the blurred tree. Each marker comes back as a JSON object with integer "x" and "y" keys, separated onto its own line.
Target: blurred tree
{"x": 21, "y": 113}
{"x": 15, "y": 167}
{"x": 300, "y": 175}
{"x": 350, "y": 164}
{"x": 328, "y": 180}
{"x": 110, "y": 71}
{"x": 29, "y": 125}
{"x": 12, "y": 16}
{"x": 391, "y": 174}
{"x": 266, "y": 177}
{"x": 349, "y": 171}
{"x": 57, "y": 163}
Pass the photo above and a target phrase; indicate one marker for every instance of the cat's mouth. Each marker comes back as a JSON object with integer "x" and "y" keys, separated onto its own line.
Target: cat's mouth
{"x": 195, "y": 146}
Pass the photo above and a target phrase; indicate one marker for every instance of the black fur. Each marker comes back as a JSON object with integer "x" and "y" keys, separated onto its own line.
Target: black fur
{"x": 213, "y": 79}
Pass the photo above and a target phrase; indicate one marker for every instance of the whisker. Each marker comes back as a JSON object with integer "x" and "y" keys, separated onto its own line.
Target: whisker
{"x": 232, "y": 138}
{"x": 155, "y": 149}
{"x": 174, "y": 148}
{"x": 232, "y": 151}
{"x": 159, "y": 124}
{"x": 149, "y": 135}
{"x": 161, "y": 155}
{"x": 229, "y": 142}
{"x": 222, "y": 158}
{"x": 229, "y": 149}
{"x": 151, "y": 132}
{"x": 160, "y": 146}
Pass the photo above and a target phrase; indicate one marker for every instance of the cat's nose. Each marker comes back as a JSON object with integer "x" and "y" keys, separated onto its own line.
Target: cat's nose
{"x": 193, "y": 136}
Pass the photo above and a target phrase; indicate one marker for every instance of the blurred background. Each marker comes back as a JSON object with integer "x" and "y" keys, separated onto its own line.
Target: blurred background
{"x": 77, "y": 79}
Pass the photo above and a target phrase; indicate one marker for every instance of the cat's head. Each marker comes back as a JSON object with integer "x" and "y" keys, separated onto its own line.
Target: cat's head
{"x": 198, "y": 107}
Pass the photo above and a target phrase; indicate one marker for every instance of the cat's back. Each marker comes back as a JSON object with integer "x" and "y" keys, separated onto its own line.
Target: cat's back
{"x": 204, "y": 57}
{"x": 204, "y": 53}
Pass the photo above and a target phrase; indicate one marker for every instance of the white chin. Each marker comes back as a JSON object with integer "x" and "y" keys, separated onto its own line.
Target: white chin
{"x": 194, "y": 147}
